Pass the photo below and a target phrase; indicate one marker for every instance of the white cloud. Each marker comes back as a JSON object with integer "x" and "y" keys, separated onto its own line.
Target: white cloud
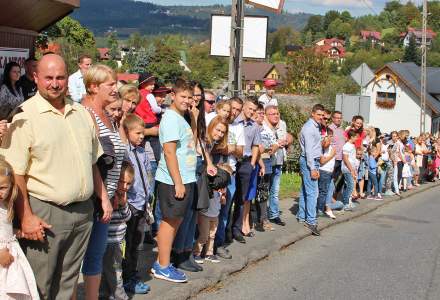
{"x": 344, "y": 3}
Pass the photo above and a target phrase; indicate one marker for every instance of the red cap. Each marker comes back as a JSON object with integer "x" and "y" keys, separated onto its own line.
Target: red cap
{"x": 270, "y": 83}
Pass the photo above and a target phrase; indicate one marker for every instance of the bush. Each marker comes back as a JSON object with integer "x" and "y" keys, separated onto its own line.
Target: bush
{"x": 294, "y": 119}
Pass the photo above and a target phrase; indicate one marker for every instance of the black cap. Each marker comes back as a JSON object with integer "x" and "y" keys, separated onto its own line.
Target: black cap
{"x": 144, "y": 77}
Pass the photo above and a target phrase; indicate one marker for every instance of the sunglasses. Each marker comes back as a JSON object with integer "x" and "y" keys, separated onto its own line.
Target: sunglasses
{"x": 210, "y": 102}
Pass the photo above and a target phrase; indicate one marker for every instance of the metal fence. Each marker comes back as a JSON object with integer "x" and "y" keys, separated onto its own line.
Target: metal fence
{"x": 352, "y": 105}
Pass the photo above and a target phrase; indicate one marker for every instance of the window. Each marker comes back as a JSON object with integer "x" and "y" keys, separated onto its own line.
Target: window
{"x": 385, "y": 96}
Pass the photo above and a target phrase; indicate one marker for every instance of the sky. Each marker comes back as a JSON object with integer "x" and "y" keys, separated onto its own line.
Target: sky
{"x": 356, "y": 7}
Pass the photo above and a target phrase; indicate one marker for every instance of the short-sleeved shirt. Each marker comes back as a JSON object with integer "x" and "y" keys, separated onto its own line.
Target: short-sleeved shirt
{"x": 174, "y": 128}
{"x": 339, "y": 139}
{"x": 54, "y": 151}
{"x": 235, "y": 137}
{"x": 350, "y": 150}
{"x": 330, "y": 165}
{"x": 251, "y": 135}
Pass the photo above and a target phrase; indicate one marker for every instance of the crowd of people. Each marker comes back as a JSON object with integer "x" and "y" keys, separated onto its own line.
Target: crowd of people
{"x": 341, "y": 166}
{"x": 92, "y": 168}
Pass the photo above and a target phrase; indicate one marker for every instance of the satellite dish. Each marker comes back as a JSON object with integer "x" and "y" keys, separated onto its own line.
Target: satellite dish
{"x": 362, "y": 75}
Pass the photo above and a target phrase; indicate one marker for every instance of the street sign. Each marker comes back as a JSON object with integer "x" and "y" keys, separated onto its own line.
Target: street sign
{"x": 272, "y": 5}
{"x": 254, "y": 36}
{"x": 362, "y": 75}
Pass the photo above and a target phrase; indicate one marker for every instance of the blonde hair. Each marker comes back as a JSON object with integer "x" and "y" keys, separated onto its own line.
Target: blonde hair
{"x": 98, "y": 74}
{"x": 128, "y": 89}
{"x": 6, "y": 170}
{"x": 219, "y": 105}
{"x": 218, "y": 120}
{"x": 131, "y": 120}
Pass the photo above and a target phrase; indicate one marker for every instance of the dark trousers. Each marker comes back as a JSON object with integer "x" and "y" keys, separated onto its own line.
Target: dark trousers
{"x": 372, "y": 181}
{"x": 111, "y": 283}
{"x": 262, "y": 205}
{"x": 399, "y": 171}
{"x": 133, "y": 238}
{"x": 244, "y": 171}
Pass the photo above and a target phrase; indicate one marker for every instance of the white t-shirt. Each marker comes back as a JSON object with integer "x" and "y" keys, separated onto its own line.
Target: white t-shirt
{"x": 330, "y": 165}
{"x": 266, "y": 101}
{"x": 350, "y": 150}
{"x": 384, "y": 153}
{"x": 235, "y": 137}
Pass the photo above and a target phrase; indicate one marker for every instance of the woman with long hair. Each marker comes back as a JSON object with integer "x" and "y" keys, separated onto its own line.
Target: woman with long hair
{"x": 11, "y": 95}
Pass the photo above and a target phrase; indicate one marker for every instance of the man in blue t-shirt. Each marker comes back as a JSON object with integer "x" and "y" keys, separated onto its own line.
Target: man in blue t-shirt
{"x": 176, "y": 178}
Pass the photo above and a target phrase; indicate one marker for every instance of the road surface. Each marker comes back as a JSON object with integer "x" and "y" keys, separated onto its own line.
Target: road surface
{"x": 392, "y": 253}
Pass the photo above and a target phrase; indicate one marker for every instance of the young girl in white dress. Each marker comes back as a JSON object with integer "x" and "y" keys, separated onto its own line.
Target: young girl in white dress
{"x": 17, "y": 280}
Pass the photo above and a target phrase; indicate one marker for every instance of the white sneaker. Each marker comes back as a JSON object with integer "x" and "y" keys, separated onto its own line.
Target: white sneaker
{"x": 330, "y": 214}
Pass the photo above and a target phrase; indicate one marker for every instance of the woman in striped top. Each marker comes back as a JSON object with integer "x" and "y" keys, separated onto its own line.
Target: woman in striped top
{"x": 100, "y": 82}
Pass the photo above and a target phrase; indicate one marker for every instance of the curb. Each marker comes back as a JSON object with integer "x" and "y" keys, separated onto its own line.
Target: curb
{"x": 212, "y": 278}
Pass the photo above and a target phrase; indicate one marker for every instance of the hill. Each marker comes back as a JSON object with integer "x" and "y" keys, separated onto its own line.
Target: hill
{"x": 128, "y": 16}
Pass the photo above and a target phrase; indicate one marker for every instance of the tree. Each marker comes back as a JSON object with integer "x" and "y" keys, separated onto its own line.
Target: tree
{"x": 339, "y": 29}
{"x": 411, "y": 52}
{"x": 165, "y": 63}
{"x": 137, "y": 61}
{"x": 73, "y": 38}
{"x": 329, "y": 17}
{"x": 346, "y": 17}
{"x": 112, "y": 44}
{"x": 283, "y": 36}
{"x": 306, "y": 72}
{"x": 314, "y": 24}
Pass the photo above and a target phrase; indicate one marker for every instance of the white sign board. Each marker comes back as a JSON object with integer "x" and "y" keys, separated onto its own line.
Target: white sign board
{"x": 7, "y": 55}
{"x": 254, "y": 36}
{"x": 274, "y": 5}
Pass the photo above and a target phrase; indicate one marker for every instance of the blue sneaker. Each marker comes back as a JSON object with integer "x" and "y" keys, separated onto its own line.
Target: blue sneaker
{"x": 136, "y": 286}
{"x": 169, "y": 273}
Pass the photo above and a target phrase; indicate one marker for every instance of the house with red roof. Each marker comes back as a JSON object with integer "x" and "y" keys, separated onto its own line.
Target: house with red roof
{"x": 374, "y": 36}
{"x": 417, "y": 34}
{"x": 255, "y": 72}
{"x": 104, "y": 53}
{"x": 331, "y": 48}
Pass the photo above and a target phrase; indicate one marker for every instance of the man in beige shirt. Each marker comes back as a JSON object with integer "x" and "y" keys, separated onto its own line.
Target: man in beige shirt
{"x": 53, "y": 148}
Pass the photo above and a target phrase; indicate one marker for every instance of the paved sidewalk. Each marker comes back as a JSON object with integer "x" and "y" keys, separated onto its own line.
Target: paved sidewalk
{"x": 257, "y": 248}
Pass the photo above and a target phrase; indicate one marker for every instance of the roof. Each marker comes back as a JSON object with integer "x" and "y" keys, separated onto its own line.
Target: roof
{"x": 253, "y": 70}
{"x": 294, "y": 48}
{"x": 410, "y": 74}
{"x": 330, "y": 41}
{"x": 419, "y": 32}
{"x": 35, "y": 15}
{"x": 371, "y": 34}
{"x": 104, "y": 53}
{"x": 326, "y": 48}
{"x": 260, "y": 70}
{"x": 127, "y": 77}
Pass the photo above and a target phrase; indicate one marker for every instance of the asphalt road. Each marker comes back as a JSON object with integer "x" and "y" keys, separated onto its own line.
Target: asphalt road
{"x": 392, "y": 253}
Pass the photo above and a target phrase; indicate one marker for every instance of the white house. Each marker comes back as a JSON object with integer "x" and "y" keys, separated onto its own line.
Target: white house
{"x": 395, "y": 98}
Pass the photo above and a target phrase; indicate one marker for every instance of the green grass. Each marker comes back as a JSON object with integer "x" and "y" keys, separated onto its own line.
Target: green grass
{"x": 290, "y": 185}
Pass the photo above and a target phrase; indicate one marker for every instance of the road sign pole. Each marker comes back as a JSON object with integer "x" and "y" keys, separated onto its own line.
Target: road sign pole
{"x": 236, "y": 48}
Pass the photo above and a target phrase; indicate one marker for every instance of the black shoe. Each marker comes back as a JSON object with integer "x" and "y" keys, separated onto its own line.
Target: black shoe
{"x": 313, "y": 229}
{"x": 195, "y": 264}
{"x": 185, "y": 263}
{"x": 277, "y": 221}
{"x": 223, "y": 253}
{"x": 238, "y": 236}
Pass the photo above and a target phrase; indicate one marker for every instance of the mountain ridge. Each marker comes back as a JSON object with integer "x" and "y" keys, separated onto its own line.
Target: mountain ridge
{"x": 147, "y": 18}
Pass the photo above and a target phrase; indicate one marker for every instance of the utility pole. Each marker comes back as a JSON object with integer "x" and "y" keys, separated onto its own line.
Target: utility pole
{"x": 236, "y": 48}
{"x": 423, "y": 75}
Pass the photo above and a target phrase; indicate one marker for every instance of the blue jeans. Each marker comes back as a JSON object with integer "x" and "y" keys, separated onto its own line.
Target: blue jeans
{"x": 275, "y": 180}
{"x": 348, "y": 189}
{"x": 331, "y": 190}
{"x": 308, "y": 195}
{"x": 382, "y": 177}
{"x": 92, "y": 264}
{"x": 223, "y": 217}
{"x": 324, "y": 182}
{"x": 372, "y": 181}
